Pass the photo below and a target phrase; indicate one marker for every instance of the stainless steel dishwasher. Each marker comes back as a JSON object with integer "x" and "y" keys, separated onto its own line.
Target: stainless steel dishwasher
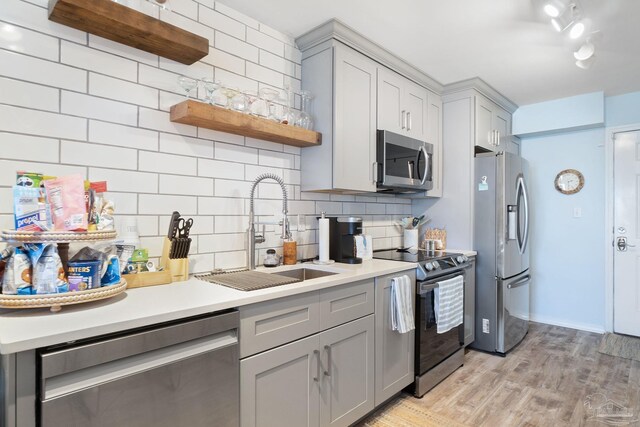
{"x": 180, "y": 374}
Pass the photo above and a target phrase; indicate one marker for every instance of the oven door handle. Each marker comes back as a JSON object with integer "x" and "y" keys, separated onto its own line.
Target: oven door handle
{"x": 427, "y": 286}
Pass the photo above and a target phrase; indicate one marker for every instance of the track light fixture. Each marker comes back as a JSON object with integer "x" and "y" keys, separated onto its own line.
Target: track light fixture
{"x": 567, "y": 15}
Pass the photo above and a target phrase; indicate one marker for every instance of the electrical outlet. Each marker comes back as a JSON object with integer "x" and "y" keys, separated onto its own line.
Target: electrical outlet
{"x": 485, "y": 326}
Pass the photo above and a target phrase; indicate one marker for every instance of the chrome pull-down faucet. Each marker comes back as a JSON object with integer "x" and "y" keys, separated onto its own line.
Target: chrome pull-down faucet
{"x": 252, "y": 237}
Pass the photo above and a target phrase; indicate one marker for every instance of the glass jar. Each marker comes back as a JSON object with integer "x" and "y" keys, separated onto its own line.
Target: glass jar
{"x": 304, "y": 118}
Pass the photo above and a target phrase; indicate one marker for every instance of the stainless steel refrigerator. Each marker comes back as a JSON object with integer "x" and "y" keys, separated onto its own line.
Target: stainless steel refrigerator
{"x": 501, "y": 238}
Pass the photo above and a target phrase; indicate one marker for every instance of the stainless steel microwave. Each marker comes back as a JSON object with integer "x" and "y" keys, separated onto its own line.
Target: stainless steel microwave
{"x": 403, "y": 164}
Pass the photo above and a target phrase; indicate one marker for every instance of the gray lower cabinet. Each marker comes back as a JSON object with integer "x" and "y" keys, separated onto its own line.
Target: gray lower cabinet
{"x": 394, "y": 352}
{"x": 323, "y": 380}
{"x": 470, "y": 304}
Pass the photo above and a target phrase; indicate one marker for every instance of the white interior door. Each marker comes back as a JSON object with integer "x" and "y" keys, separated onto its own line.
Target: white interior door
{"x": 626, "y": 300}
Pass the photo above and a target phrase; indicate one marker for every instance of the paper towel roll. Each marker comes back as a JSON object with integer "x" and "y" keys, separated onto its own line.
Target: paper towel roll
{"x": 323, "y": 250}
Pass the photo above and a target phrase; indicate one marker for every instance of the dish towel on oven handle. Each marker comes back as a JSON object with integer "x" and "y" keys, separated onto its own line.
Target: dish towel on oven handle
{"x": 449, "y": 303}
{"x": 402, "y": 305}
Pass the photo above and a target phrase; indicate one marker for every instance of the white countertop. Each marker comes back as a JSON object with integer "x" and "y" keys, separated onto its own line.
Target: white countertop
{"x": 465, "y": 252}
{"x": 22, "y": 330}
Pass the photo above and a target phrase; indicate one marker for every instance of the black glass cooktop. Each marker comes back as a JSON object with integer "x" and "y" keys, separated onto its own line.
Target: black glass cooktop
{"x": 414, "y": 255}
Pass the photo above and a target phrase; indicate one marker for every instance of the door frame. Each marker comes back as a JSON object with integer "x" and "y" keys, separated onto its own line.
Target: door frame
{"x": 609, "y": 217}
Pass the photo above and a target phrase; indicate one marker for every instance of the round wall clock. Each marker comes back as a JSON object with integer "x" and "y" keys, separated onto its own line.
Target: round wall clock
{"x": 569, "y": 181}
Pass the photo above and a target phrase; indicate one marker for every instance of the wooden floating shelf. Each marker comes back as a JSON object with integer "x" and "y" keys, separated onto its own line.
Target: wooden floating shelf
{"x": 113, "y": 21}
{"x": 203, "y": 115}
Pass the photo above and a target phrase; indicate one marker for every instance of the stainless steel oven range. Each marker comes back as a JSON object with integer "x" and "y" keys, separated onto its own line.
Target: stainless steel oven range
{"x": 437, "y": 355}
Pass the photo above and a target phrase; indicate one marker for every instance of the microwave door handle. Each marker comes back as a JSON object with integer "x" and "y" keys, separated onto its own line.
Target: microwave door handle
{"x": 427, "y": 161}
{"x": 410, "y": 167}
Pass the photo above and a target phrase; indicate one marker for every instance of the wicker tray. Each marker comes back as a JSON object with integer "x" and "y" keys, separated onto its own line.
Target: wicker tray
{"x": 56, "y": 236}
{"x": 56, "y": 301}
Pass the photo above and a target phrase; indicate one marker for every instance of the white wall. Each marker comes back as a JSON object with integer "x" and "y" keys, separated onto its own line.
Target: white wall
{"x": 567, "y": 253}
{"x": 76, "y": 103}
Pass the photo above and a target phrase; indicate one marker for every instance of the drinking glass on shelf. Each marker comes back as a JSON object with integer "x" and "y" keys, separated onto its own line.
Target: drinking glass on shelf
{"x": 229, "y": 93}
{"x": 288, "y": 115}
{"x": 256, "y": 105}
{"x": 239, "y": 102}
{"x": 187, "y": 84}
{"x": 270, "y": 95}
{"x": 304, "y": 117}
{"x": 210, "y": 86}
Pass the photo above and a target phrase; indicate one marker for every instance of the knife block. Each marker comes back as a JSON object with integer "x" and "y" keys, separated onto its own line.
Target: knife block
{"x": 179, "y": 267}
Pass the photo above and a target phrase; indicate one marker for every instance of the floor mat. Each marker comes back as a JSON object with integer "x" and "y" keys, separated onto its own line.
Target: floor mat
{"x": 407, "y": 412}
{"x": 620, "y": 346}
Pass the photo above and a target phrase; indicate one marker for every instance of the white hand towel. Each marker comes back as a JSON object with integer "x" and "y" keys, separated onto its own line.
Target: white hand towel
{"x": 449, "y": 304}
{"x": 401, "y": 305}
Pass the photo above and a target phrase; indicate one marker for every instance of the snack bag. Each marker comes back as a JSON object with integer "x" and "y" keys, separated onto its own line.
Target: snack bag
{"x": 17, "y": 274}
{"x": 66, "y": 199}
{"x": 48, "y": 273}
{"x": 26, "y": 208}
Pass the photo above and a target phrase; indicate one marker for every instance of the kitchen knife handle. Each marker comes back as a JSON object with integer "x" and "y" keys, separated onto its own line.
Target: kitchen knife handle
{"x": 173, "y": 225}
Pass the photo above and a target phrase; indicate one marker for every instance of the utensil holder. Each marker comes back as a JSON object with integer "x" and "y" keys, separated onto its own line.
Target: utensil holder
{"x": 178, "y": 267}
{"x": 411, "y": 239}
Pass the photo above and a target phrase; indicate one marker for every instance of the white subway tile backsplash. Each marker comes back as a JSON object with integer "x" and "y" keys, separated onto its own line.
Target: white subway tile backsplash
{"x": 231, "y": 224}
{"x": 22, "y": 40}
{"x": 175, "y": 184}
{"x": 230, "y": 259}
{"x": 124, "y": 136}
{"x": 125, "y": 181}
{"x": 116, "y": 100}
{"x": 159, "y": 120}
{"x": 197, "y": 70}
{"x": 187, "y": 24}
{"x": 8, "y": 169}
{"x": 122, "y": 50}
{"x": 221, "y": 242}
{"x": 23, "y": 120}
{"x": 78, "y": 104}
{"x": 83, "y": 153}
{"x": 220, "y": 169}
{"x": 125, "y": 203}
{"x": 167, "y": 163}
{"x": 222, "y": 23}
{"x": 28, "y": 95}
{"x": 186, "y": 146}
{"x": 231, "y": 13}
{"x": 236, "y": 47}
{"x": 15, "y": 146}
{"x": 153, "y": 245}
{"x": 235, "y": 153}
{"x": 101, "y": 62}
{"x": 225, "y": 60}
{"x": 278, "y": 160}
{"x": 265, "y": 42}
{"x": 153, "y": 204}
{"x": 265, "y": 75}
{"x": 36, "y": 18}
{"x": 40, "y": 71}
{"x": 226, "y": 188}
{"x": 220, "y": 206}
{"x": 121, "y": 90}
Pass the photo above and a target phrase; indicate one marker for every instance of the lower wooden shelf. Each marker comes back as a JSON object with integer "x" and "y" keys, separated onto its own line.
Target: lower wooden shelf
{"x": 208, "y": 116}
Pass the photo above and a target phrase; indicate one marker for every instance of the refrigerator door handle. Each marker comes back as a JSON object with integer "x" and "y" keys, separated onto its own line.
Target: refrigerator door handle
{"x": 526, "y": 279}
{"x": 523, "y": 237}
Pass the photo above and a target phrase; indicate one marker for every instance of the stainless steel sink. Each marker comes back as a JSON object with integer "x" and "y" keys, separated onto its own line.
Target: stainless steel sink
{"x": 305, "y": 273}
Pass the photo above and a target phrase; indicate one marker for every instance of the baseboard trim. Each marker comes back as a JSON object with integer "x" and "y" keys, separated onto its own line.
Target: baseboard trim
{"x": 598, "y": 329}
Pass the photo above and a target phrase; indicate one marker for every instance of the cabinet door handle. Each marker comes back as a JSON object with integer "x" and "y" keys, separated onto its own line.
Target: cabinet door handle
{"x": 490, "y": 137}
{"x": 404, "y": 119}
{"x": 328, "y": 371}
{"x": 409, "y": 124}
{"x": 317, "y": 354}
{"x": 498, "y": 138}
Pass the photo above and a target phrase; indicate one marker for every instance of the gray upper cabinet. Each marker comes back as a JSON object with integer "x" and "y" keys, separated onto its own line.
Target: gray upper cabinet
{"x": 402, "y": 105}
{"x": 344, "y": 84}
{"x": 493, "y": 125}
{"x": 394, "y": 351}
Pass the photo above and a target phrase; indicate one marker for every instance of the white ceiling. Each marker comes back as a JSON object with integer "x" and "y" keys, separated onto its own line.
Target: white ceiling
{"x": 507, "y": 43}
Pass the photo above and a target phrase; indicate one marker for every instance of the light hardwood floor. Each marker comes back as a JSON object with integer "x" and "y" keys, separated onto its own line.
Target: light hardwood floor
{"x": 544, "y": 381}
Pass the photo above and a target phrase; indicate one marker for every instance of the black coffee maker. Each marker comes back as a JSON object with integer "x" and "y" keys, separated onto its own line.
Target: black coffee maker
{"x": 342, "y": 244}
